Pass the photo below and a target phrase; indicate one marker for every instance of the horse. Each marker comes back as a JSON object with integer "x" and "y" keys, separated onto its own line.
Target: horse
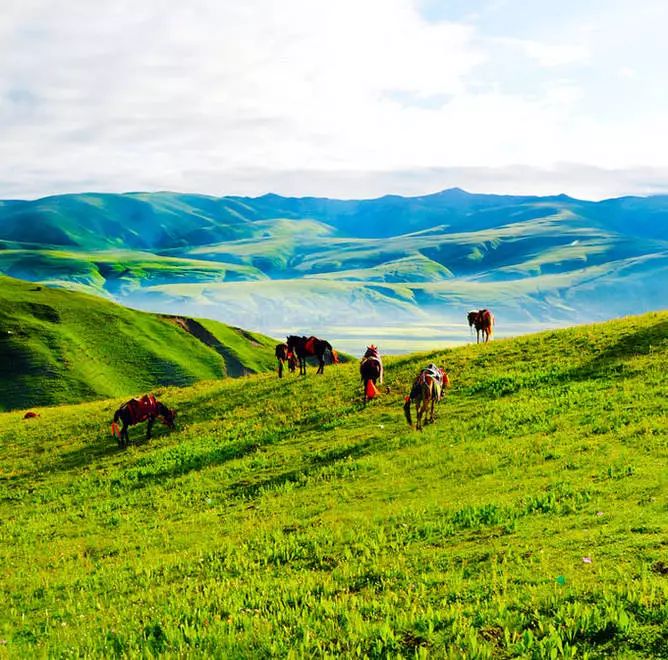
{"x": 426, "y": 391}
{"x": 483, "y": 320}
{"x": 304, "y": 347}
{"x": 284, "y": 354}
{"x": 135, "y": 411}
{"x": 371, "y": 370}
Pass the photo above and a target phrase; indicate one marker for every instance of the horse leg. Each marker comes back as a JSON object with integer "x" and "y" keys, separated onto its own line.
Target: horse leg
{"x": 280, "y": 368}
{"x": 321, "y": 360}
{"x": 149, "y": 427}
{"x": 125, "y": 436}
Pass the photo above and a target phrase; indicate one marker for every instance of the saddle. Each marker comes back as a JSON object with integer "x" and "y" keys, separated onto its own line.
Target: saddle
{"x": 437, "y": 375}
{"x": 309, "y": 346}
{"x": 143, "y": 408}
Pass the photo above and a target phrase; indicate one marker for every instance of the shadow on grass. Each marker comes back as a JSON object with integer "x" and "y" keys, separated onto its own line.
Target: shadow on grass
{"x": 610, "y": 363}
{"x": 613, "y": 358}
{"x": 249, "y": 489}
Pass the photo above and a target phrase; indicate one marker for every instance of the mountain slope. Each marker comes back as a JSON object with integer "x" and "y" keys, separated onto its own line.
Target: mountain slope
{"x": 59, "y": 346}
{"x": 319, "y": 265}
{"x": 283, "y": 518}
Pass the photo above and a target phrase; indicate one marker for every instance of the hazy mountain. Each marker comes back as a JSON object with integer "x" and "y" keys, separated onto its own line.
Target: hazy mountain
{"x": 278, "y": 263}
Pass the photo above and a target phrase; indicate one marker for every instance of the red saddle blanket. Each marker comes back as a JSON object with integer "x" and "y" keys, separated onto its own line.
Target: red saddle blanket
{"x": 142, "y": 409}
{"x": 309, "y": 346}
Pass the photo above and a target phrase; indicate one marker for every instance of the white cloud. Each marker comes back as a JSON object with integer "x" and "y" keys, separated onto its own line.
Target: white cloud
{"x": 549, "y": 55}
{"x": 208, "y": 94}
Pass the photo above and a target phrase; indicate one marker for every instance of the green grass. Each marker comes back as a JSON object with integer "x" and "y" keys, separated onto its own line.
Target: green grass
{"x": 60, "y": 346}
{"x": 115, "y": 272}
{"x": 283, "y": 520}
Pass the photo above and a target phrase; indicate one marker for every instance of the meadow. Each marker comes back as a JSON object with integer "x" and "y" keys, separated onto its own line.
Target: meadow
{"x": 282, "y": 519}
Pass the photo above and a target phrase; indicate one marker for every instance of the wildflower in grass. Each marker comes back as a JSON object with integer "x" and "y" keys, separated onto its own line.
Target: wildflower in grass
{"x": 586, "y": 560}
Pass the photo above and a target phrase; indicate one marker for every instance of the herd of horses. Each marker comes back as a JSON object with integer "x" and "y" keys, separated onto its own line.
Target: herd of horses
{"x": 427, "y": 389}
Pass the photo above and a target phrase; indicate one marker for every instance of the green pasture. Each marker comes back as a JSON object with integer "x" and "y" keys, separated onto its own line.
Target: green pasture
{"x": 282, "y": 519}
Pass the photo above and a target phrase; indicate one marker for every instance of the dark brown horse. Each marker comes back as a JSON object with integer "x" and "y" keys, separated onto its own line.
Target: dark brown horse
{"x": 371, "y": 370}
{"x": 483, "y": 320}
{"x": 304, "y": 347}
{"x": 283, "y": 355}
{"x": 427, "y": 390}
{"x": 135, "y": 411}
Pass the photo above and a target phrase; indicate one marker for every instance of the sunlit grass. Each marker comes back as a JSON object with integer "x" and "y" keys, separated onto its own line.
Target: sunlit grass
{"x": 283, "y": 518}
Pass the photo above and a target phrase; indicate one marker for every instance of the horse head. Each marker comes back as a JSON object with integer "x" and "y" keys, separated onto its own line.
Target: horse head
{"x": 472, "y": 318}
{"x": 167, "y": 415}
{"x": 446, "y": 378}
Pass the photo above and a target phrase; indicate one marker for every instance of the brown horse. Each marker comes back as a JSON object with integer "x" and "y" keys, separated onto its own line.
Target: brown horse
{"x": 284, "y": 354}
{"x": 135, "y": 411}
{"x": 304, "y": 347}
{"x": 371, "y": 370}
{"x": 426, "y": 391}
{"x": 483, "y": 320}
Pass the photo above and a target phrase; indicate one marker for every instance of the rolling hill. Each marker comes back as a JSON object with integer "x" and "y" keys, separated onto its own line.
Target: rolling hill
{"x": 327, "y": 266}
{"x": 282, "y": 519}
{"x": 60, "y": 346}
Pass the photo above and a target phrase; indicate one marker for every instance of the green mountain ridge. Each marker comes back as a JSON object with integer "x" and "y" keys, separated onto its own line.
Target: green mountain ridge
{"x": 60, "y": 346}
{"x": 282, "y": 519}
{"x": 310, "y": 264}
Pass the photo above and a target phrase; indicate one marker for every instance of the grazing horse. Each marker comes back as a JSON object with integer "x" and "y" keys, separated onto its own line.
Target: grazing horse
{"x": 284, "y": 354}
{"x": 304, "y": 347}
{"x": 135, "y": 411}
{"x": 483, "y": 320}
{"x": 371, "y": 370}
{"x": 426, "y": 391}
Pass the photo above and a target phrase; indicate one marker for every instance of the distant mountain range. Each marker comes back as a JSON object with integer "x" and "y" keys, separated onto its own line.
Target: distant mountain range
{"x": 349, "y": 266}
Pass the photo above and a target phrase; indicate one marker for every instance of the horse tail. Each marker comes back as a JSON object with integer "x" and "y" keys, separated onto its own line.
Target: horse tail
{"x": 407, "y": 410}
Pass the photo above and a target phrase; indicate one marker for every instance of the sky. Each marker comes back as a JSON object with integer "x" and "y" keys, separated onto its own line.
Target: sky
{"x": 353, "y": 98}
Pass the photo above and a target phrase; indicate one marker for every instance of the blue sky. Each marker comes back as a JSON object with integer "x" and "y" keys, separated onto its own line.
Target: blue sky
{"x": 351, "y": 99}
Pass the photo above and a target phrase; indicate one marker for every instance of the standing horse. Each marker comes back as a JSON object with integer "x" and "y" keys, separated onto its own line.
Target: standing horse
{"x": 371, "y": 370}
{"x": 304, "y": 347}
{"x": 284, "y": 354}
{"x": 426, "y": 391}
{"x": 483, "y": 320}
{"x": 135, "y": 411}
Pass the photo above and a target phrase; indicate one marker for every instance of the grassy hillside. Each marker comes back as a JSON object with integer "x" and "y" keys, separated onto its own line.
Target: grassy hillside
{"x": 60, "y": 346}
{"x": 281, "y": 518}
